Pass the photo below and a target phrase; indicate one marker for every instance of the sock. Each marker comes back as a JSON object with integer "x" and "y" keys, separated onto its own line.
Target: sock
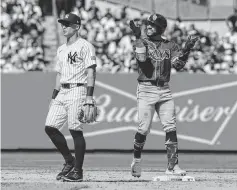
{"x": 139, "y": 142}
{"x": 171, "y": 137}
{"x": 80, "y": 147}
{"x": 60, "y": 142}
{"x": 171, "y": 143}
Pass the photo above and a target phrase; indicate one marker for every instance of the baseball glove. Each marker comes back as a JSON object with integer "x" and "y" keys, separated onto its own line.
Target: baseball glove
{"x": 88, "y": 112}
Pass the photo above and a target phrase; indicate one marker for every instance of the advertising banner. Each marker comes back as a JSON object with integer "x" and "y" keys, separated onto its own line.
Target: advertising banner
{"x": 206, "y": 108}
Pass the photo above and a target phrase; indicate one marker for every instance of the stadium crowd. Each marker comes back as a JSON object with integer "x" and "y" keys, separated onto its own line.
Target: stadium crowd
{"x": 212, "y": 54}
{"x": 22, "y": 36}
{"x": 112, "y": 38}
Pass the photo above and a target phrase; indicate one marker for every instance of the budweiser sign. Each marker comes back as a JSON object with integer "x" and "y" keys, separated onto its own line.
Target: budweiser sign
{"x": 202, "y": 115}
{"x": 205, "y": 112}
{"x": 190, "y": 112}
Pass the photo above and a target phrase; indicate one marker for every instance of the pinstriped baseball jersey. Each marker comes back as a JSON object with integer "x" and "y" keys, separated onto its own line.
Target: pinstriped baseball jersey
{"x": 72, "y": 61}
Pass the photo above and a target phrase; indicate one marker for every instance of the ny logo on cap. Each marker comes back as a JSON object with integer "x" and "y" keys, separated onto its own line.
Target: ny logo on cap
{"x": 154, "y": 17}
{"x": 67, "y": 15}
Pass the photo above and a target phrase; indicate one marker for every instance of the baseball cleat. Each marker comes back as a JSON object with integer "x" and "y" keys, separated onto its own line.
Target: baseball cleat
{"x": 67, "y": 167}
{"x": 136, "y": 169}
{"x": 74, "y": 176}
{"x": 176, "y": 171}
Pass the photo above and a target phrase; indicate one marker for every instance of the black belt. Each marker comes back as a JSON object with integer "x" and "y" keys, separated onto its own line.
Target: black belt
{"x": 159, "y": 83}
{"x": 71, "y": 85}
{"x": 155, "y": 83}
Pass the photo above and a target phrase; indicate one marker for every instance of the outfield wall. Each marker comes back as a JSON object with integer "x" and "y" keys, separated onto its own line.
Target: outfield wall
{"x": 205, "y": 104}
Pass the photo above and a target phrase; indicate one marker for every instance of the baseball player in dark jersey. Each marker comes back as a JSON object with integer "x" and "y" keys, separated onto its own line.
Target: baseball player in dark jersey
{"x": 155, "y": 56}
{"x": 76, "y": 71}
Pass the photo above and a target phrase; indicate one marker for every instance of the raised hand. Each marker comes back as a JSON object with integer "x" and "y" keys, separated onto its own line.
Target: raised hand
{"x": 190, "y": 43}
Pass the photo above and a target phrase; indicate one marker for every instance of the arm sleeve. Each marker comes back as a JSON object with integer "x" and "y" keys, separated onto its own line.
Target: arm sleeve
{"x": 90, "y": 58}
{"x": 58, "y": 66}
{"x": 178, "y": 58}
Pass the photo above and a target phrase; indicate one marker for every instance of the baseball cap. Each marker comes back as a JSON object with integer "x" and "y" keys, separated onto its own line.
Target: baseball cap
{"x": 70, "y": 18}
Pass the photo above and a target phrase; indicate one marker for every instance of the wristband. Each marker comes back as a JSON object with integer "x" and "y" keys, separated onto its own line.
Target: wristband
{"x": 55, "y": 93}
{"x": 90, "y": 90}
{"x": 89, "y": 102}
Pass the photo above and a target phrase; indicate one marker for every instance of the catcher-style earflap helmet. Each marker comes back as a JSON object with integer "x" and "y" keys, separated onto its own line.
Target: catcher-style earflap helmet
{"x": 159, "y": 21}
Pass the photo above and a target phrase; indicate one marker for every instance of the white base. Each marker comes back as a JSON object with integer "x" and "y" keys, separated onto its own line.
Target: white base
{"x": 173, "y": 178}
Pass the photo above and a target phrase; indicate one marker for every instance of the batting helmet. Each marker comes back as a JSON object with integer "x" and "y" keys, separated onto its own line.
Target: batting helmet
{"x": 159, "y": 21}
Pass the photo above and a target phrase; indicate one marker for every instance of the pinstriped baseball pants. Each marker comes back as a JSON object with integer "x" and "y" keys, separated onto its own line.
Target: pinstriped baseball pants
{"x": 151, "y": 98}
{"x": 65, "y": 108}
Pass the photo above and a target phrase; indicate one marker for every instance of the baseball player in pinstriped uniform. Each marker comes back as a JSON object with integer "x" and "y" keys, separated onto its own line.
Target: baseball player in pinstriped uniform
{"x": 155, "y": 56}
{"x": 76, "y": 70}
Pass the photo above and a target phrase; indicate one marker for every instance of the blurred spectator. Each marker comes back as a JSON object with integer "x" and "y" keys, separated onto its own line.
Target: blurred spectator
{"x": 108, "y": 13}
{"x": 64, "y": 6}
{"x": 94, "y": 11}
{"x": 21, "y": 33}
{"x": 113, "y": 40}
{"x": 110, "y": 34}
{"x": 231, "y": 21}
{"x": 123, "y": 14}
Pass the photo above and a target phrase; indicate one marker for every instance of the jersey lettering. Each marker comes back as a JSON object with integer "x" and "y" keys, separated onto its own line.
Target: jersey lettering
{"x": 157, "y": 55}
{"x": 72, "y": 57}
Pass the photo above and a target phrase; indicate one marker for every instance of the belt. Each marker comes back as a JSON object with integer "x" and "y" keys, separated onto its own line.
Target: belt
{"x": 71, "y": 85}
{"x": 155, "y": 83}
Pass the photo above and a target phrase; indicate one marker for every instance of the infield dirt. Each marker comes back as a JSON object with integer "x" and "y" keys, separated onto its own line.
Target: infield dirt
{"x": 37, "y": 171}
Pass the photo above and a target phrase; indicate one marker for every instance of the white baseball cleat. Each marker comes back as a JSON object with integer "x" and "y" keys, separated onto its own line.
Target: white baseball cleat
{"x": 136, "y": 169}
{"x": 176, "y": 171}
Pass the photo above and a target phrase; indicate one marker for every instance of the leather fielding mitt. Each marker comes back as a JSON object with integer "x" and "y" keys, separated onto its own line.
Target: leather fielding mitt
{"x": 88, "y": 112}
